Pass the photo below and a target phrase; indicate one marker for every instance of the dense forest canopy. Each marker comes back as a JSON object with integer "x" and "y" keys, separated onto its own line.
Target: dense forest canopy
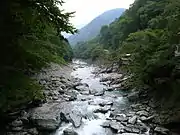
{"x": 30, "y": 36}
{"x": 150, "y": 31}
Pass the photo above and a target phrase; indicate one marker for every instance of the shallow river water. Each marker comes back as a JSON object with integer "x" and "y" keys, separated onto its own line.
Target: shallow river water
{"x": 91, "y": 123}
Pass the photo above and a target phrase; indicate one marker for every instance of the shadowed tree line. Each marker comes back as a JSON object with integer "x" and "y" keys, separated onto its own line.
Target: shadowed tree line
{"x": 30, "y": 35}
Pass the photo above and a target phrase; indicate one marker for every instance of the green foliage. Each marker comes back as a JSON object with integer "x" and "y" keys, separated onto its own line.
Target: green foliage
{"x": 30, "y": 39}
{"x": 149, "y": 30}
{"x": 18, "y": 90}
{"x": 152, "y": 47}
{"x": 90, "y": 50}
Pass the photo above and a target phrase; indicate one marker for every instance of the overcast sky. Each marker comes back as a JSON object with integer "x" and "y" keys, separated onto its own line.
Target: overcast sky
{"x": 87, "y": 10}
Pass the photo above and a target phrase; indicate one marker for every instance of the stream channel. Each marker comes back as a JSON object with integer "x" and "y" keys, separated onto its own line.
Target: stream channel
{"x": 87, "y": 103}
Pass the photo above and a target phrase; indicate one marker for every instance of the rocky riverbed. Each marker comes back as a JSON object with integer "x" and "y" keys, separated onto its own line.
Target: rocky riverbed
{"x": 82, "y": 99}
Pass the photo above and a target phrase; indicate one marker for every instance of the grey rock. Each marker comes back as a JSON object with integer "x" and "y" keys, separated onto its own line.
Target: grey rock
{"x": 136, "y": 106}
{"x": 148, "y": 109}
{"x": 55, "y": 79}
{"x": 109, "y": 89}
{"x": 63, "y": 86}
{"x": 81, "y": 84}
{"x": 105, "y": 79}
{"x": 84, "y": 92}
{"x": 69, "y": 84}
{"x": 125, "y": 95}
{"x": 144, "y": 129}
{"x": 112, "y": 114}
{"x": 82, "y": 88}
{"x": 129, "y": 134}
{"x": 46, "y": 117}
{"x": 104, "y": 102}
{"x": 63, "y": 80}
{"x": 133, "y": 96}
{"x": 25, "y": 120}
{"x": 135, "y": 130}
{"x": 69, "y": 132}
{"x": 71, "y": 96}
{"x": 55, "y": 98}
{"x": 49, "y": 93}
{"x": 99, "y": 93}
{"x": 42, "y": 82}
{"x": 128, "y": 129}
{"x": 17, "y": 123}
{"x": 130, "y": 114}
{"x": 17, "y": 133}
{"x": 17, "y": 129}
{"x": 92, "y": 91}
{"x": 33, "y": 131}
{"x": 104, "y": 109}
{"x": 162, "y": 130}
{"x": 113, "y": 109}
{"x": 84, "y": 99}
{"x": 145, "y": 119}
{"x": 76, "y": 119}
{"x": 132, "y": 120}
{"x": 108, "y": 131}
{"x": 121, "y": 117}
{"x": 60, "y": 90}
{"x": 124, "y": 123}
{"x": 142, "y": 113}
{"x": 106, "y": 124}
{"x": 55, "y": 93}
{"x": 116, "y": 126}
{"x": 24, "y": 113}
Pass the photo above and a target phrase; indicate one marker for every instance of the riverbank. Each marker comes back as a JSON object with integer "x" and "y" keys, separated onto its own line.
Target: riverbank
{"x": 82, "y": 99}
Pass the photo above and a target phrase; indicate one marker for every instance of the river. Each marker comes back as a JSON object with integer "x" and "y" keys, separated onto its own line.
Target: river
{"x": 83, "y": 100}
{"x": 91, "y": 125}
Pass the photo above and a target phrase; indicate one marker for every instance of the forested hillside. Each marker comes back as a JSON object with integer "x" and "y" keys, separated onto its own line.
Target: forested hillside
{"x": 92, "y": 29}
{"x": 149, "y": 32}
{"x": 30, "y": 36}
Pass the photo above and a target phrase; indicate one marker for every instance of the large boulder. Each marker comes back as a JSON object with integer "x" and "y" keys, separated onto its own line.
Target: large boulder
{"x": 104, "y": 109}
{"x": 46, "y": 117}
{"x": 76, "y": 119}
{"x": 33, "y": 131}
{"x": 105, "y": 79}
{"x": 128, "y": 134}
{"x": 162, "y": 130}
{"x": 99, "y": 92}
{"x": 17, "y": 133}
{"x": 143, "y": 113}
{"x": 132, "y": 120}
{"x": 116, "y": 126}
{"x": 105, "y": 102}
{"x": 83, "y": 87}
{"x": 17, "y": 129}
{"x": 17, "y": 123}
{"x": 106, "y": 124}
{"x": 70, "y": 96}
{"x": 121, "y": 118}
{"x": 69, "y": 132}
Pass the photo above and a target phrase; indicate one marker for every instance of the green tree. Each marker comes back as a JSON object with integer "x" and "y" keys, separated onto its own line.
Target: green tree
{"x": 31, "y": 37}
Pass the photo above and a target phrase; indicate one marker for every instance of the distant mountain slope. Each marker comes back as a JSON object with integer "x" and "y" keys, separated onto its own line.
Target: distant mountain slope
{"x": 92, "y": 29}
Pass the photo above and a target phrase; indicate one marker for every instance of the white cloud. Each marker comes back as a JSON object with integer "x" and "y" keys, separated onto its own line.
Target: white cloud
{"x": 86, "y": 10}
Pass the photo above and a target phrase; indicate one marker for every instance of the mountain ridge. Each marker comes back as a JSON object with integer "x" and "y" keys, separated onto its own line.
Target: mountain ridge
{"x": 92, "y": 29}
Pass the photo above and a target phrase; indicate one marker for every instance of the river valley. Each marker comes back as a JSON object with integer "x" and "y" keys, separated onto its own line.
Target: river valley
{"x": 82, "y": 99}
{"x": 91, "y": 124}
